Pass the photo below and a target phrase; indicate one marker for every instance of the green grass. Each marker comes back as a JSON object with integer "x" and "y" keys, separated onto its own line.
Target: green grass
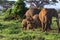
{"x": 12, "y": 30}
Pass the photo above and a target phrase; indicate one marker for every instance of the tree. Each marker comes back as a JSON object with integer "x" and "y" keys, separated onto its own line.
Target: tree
{"x": 19, "y": 8}
{"x": 18, "y": 11}
{"x": 54, "y": 0}
{"x": 40, "y": 3}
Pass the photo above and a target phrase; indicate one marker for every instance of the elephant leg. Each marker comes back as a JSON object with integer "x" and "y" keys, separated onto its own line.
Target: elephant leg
{"x": 58, "y": 25}
{"x": 45, "y": 24}
{"x": 49, "y": 22}
{"x": 42, "y": 27}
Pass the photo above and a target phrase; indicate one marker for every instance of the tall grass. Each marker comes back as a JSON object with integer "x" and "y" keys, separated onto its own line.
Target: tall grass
{"x": 12, "y": 30}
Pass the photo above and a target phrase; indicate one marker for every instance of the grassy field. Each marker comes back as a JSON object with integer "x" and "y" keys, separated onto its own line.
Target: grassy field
{"x": 12, "y": 30}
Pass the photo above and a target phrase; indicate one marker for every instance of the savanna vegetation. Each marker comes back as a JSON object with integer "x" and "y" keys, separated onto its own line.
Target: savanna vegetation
{"x": 11, "y": 28}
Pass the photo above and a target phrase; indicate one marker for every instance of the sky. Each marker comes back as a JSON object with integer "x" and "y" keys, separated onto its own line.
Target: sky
{"x": 12, "y": 0}
{"x": 1, "y": 7}
{"x": 55, "y": 6}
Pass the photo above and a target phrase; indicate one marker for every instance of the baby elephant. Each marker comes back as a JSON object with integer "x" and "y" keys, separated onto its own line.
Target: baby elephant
{"x": 24, "y": 23}
{"x": 31, "y": 25}
{"x": 27, "y": 24}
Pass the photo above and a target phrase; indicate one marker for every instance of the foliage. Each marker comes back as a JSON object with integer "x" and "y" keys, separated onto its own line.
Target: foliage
{"x": 8, "y": 14}
{"x": 12, "y": 30}
{"x": 17, "y": 12}
{"x": 19, "y": 8}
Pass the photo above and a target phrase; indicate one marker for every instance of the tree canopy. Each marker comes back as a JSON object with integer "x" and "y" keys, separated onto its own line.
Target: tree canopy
{"x": 19, "y": 8}
{"x": 18, "y": 11}
{"x": 41, "y": 3}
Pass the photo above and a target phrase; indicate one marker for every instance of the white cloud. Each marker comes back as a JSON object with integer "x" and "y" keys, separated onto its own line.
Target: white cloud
{"x": 56, "y": 6}
{"x": 1, "y": 7}
{"x": 12, "y": 0}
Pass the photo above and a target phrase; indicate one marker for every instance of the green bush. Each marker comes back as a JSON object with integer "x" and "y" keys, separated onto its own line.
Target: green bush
{"x": 17, "y": 12}
{"x": 8, "y": 15}
{"x": 19, "y": 8}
